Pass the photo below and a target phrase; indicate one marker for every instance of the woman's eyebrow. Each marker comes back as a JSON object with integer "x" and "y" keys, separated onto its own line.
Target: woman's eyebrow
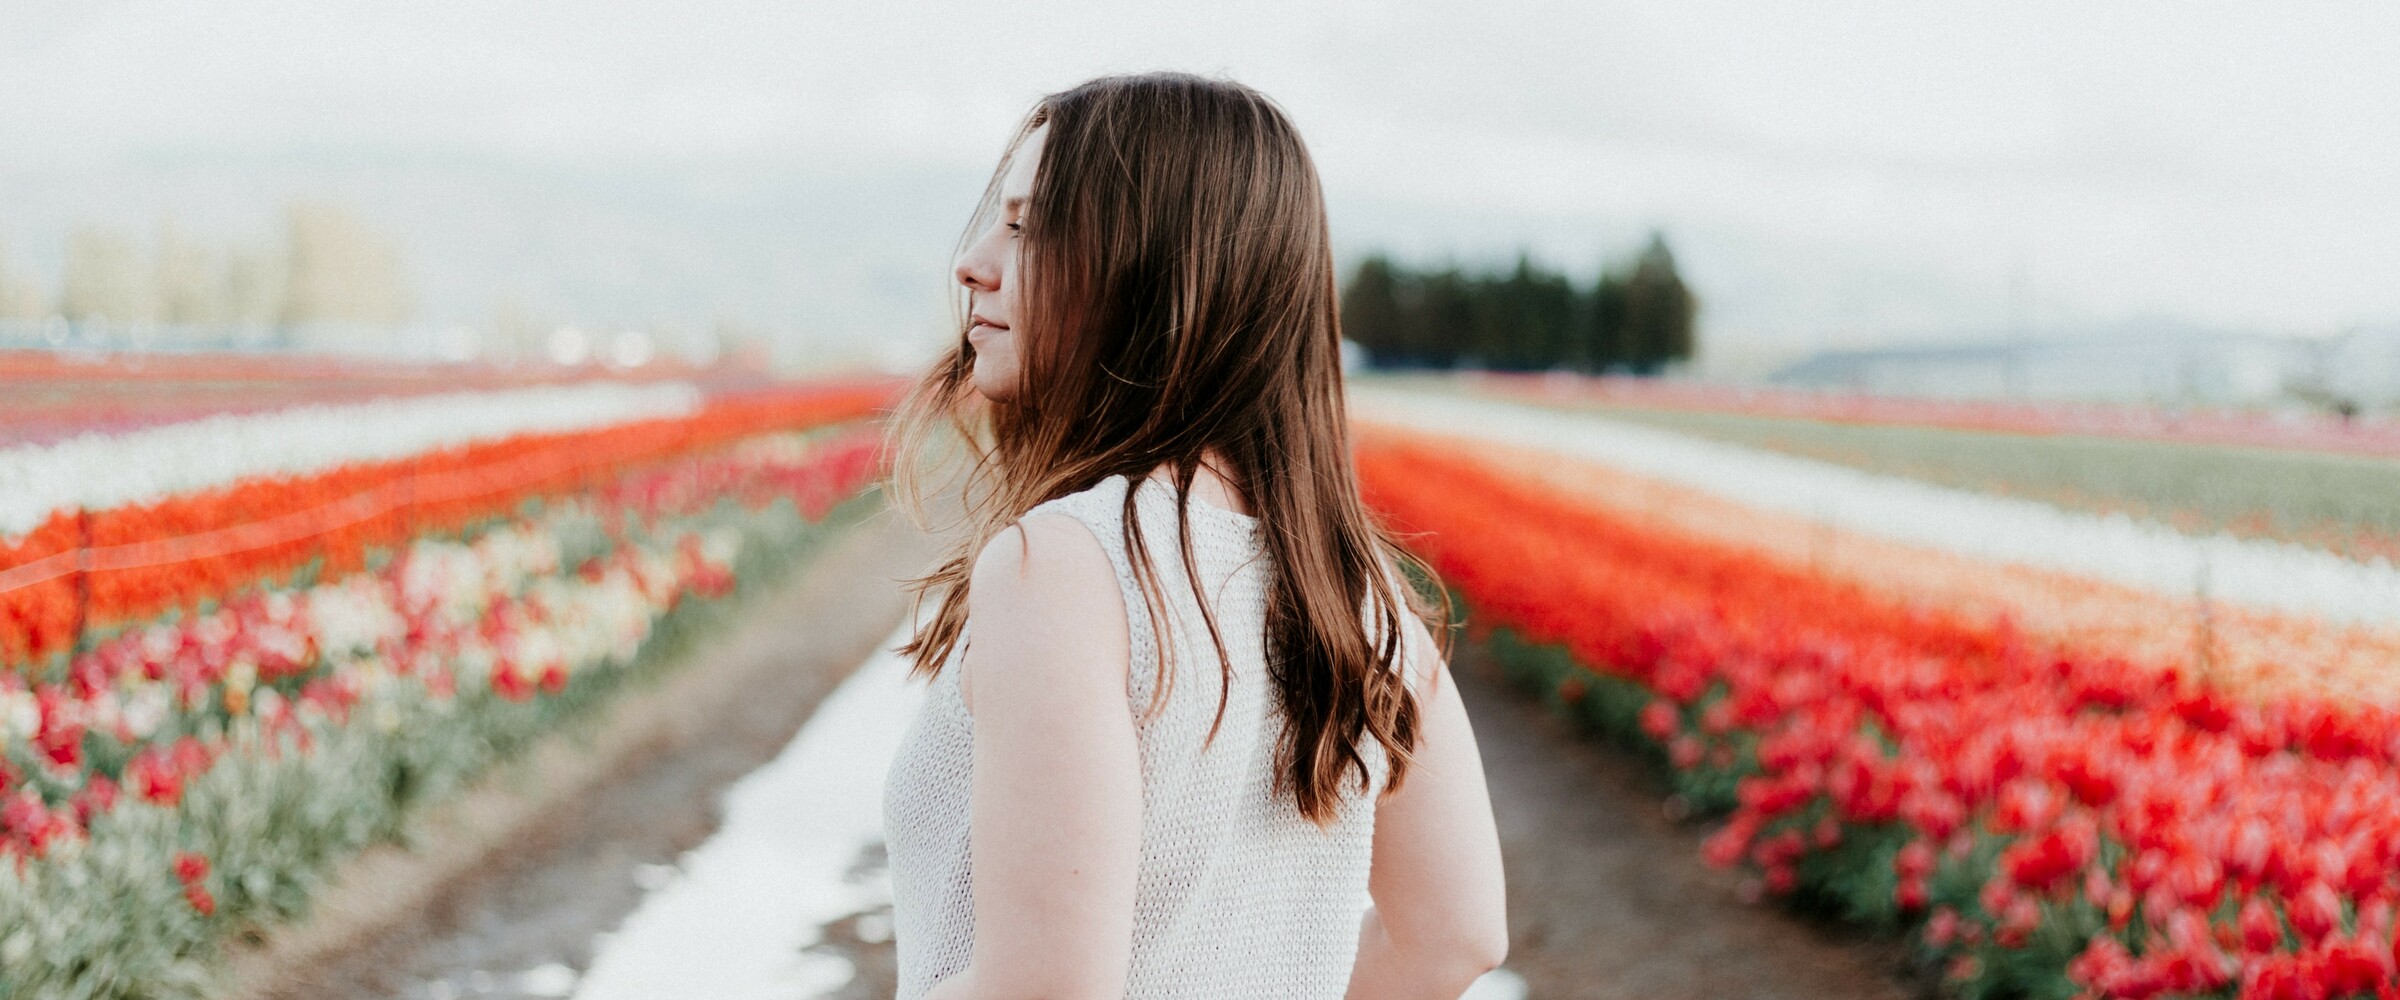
{"x": 1013, "y": 201}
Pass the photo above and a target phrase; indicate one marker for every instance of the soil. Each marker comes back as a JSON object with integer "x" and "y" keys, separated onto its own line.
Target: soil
{"x": 1608, "y": 898}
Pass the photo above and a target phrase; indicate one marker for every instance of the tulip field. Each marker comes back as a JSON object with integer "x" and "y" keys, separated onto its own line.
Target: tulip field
{"x": 2072, "y": 753}
{"x": 239, "y": 646}
{"x": 2082, "y": 701}
{"x": 56, "y": 396}
{"x": 2315, "y": 481}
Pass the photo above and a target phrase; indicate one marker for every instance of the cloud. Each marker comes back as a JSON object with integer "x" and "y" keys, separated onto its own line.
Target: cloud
{"x": 1853, "y": 166}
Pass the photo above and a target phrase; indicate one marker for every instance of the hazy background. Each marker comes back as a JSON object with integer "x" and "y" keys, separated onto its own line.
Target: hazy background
{"x": 1831, "y": 174}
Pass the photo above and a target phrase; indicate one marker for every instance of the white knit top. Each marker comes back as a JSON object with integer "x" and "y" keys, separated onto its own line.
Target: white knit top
{"x": 1238, "y": 896}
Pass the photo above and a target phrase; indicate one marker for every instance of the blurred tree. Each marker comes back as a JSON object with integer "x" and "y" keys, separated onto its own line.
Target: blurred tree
{"x": 21, "y": 297}
{"x": 1415, "y": 335}
{"x": 1529, "y": 318}
{"x": 340, "y": 270}
{"x": 1541, "y": 310}
{"x": 1371, "y": 312}
{"x": 1445, "y": 320}
{"x": 1658, "y": 310}
{"x": 104, "y": 278}
{"x": 190, "y": 286}
{"x": 254, "y": 286}
{"x": 1604, "y": 332}
{"x": 330, "y": 270}
{"x": 1491, "y": 334}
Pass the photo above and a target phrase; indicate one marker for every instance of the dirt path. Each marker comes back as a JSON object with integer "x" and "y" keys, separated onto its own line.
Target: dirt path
{"x": 1609, "y": 900}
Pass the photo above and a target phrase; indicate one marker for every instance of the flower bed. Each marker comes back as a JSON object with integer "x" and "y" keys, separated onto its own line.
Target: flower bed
{"x": 2303, "y": 486}
{"x": 2049, "y": 822}
{"x": 2258, "y": 616}
{"x": 56, "y": 395}
{"x": 96, "y": 564}
{"x": 191, "y": 767}
{"x": 2139, "y": 421}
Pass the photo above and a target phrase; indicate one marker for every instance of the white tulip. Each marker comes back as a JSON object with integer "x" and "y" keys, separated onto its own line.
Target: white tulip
{"x": 2268, "y": 575}
{"x": 100, "y": 471}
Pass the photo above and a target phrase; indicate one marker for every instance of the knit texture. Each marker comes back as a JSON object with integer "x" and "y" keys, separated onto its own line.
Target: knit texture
{"x": 1238, "y": 897}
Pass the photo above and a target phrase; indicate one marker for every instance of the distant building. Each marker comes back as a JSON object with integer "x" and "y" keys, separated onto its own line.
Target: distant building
{"x": 2153, "y": 365}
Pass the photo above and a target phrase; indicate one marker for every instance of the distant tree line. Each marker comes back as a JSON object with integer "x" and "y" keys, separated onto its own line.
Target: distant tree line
{"x": 327, "y": 265}
{"x": 1636, "y": 317}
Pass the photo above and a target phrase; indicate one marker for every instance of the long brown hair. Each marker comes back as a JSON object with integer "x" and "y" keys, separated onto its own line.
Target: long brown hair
{"x": 1178, "y": 293}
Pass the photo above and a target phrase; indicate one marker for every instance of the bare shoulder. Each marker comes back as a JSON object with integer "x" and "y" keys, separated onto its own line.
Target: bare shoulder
{"x": 1043, "y": 596}
{"x": 1043, "y": 549}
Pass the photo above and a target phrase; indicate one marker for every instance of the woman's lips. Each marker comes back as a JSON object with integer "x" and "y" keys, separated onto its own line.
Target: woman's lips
{"x": 981, "y": 330}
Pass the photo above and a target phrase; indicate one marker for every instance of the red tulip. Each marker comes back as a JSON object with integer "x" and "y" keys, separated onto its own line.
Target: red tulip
{"x": 190, "y": 867}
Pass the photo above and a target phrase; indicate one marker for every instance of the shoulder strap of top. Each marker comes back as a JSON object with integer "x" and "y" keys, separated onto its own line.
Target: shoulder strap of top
{"x": 1101, "y": 509}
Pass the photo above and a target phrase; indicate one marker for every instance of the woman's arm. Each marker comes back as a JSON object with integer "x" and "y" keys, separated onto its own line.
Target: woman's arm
{"x": 1440, "y": 916}
{"x": 1055, "y": 826}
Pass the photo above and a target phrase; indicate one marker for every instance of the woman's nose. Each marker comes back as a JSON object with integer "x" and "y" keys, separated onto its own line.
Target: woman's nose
{"x": 975, "y": 274}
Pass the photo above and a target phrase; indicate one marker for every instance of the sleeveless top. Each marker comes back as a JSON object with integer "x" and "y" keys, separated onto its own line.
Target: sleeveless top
{"x": 1238, "y": 897}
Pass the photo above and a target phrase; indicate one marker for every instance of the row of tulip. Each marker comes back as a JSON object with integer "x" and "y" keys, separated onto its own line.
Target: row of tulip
{"x": 2242, "y": 650}
{"x": 2329, "y": 502}
{"x": 2054, "y": 821}
{"x": 190, "y": 779}
{"x": 2310, "y": 431}
{"x": 89, "y": 570}
{"x": 2265, "y": 617}
{"x": 55, "y": 396}
{"x": 2261, "y": 574}
{"x": 99, "y": 471}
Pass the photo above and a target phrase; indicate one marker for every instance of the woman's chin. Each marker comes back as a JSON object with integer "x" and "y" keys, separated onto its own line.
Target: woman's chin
{"x": 991, "y": 387}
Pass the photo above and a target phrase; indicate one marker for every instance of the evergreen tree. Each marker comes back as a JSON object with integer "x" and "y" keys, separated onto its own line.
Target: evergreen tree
{"x": 1529, "y": 318}
{"x": 1371, "y": 313}
{"x": 1524, "y": 320}
{"x": 1658, "y": 309}
{"x": 1604, "y": 332}
{"x": 1446, "y": 317}
{"x": 1495, "y": 322}
{"x": 1549, "y": 306}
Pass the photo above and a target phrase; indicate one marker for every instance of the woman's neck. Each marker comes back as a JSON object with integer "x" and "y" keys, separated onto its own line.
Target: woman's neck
{"x": 1215, "y": 485}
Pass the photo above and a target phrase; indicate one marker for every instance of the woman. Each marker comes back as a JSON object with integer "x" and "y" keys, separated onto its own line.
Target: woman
{"x": 1150, "y": 394}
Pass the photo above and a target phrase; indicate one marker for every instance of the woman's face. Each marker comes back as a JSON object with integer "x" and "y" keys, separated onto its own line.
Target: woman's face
{"x": 989, "y": 270}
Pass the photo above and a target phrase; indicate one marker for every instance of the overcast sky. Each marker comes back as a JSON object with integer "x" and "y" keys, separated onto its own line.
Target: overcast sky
{"x": 1829, "y": 172}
